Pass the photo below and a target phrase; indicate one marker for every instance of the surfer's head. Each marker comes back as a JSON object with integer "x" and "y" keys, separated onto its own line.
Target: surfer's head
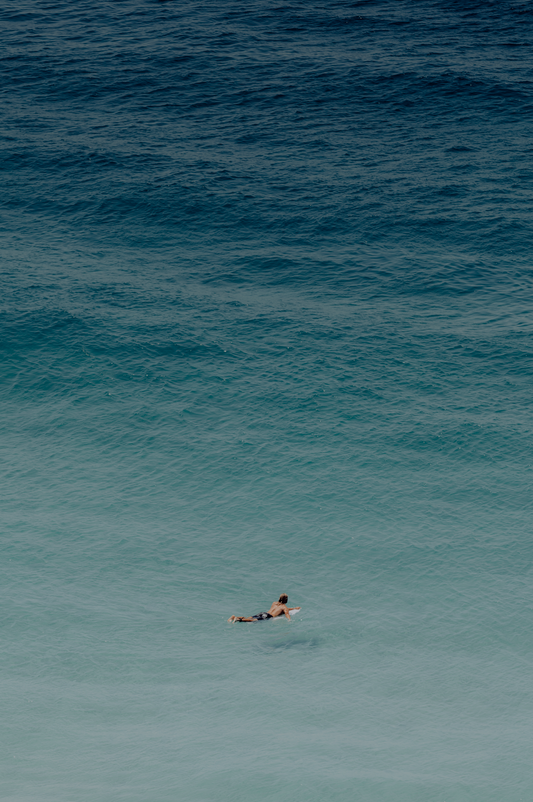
{"x": 284, "y": 598}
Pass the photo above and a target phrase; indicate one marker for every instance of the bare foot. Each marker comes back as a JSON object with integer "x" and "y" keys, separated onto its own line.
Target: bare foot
{"x": 232, "y": 619}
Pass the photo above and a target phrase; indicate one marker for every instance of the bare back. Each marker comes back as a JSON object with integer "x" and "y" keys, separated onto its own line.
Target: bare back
{"x": 278, "y": 609}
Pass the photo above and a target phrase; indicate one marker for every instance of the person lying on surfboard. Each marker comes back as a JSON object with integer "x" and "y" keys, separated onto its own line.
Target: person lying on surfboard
{"x": 277, "y": 609}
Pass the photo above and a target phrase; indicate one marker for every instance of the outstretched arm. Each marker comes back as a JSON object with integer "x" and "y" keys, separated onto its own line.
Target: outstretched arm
{"x": 287, "y": 614}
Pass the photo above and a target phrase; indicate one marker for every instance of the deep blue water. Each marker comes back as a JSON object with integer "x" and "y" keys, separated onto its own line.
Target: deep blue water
{"x": 266, "y": 286}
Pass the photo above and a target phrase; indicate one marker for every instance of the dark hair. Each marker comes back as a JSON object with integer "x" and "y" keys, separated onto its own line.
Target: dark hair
{"x": 284, "y": 598}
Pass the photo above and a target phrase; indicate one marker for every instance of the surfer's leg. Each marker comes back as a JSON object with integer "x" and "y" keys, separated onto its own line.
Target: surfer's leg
{"x": 233, "y": 618}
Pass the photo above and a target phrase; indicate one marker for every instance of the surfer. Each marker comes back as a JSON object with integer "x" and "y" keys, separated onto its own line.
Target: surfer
{"x": 278, "y": 608}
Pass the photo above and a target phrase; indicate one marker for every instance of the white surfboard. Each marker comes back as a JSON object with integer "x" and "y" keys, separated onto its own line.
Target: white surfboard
{"x": 280, "y": 617}
{"x": 291, "y": 612}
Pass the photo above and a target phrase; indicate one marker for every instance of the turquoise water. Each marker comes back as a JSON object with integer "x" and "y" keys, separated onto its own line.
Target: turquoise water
{"x": 266, "y": 327}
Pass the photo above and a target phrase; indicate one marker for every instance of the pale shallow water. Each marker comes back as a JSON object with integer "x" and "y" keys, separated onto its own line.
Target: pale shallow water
{"x": 266, "y": 327}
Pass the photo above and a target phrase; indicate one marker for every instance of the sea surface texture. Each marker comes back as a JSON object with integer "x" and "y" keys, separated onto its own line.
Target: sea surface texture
{"x": 266, "y": 315}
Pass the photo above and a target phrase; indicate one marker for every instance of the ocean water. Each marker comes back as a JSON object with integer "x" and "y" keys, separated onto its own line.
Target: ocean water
{"x": 265, "y": 293}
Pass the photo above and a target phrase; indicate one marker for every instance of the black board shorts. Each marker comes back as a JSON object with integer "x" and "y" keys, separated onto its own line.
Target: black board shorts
{"x": 261, "y": 616}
